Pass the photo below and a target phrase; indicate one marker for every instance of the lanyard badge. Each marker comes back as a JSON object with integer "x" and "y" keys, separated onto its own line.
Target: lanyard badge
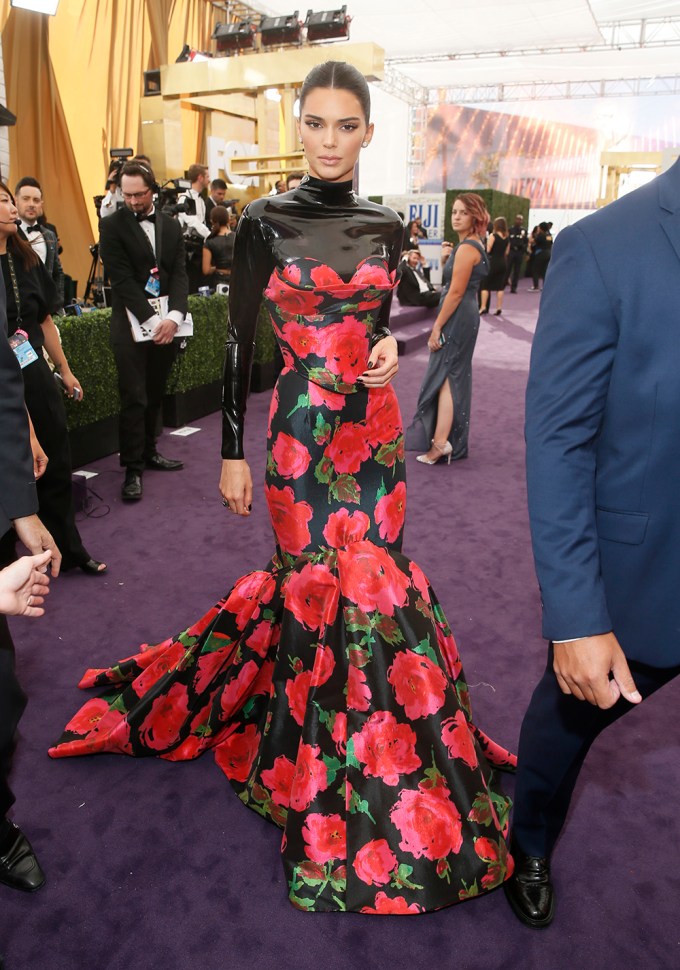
{"x": 153, "y": 284}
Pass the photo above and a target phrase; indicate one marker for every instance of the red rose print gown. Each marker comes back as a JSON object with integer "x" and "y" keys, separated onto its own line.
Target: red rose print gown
{"x": 327, "y": 684}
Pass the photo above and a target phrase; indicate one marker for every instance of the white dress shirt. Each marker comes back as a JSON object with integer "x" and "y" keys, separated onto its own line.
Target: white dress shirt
{"x": 36, "y": 239}
{"x": 149, "y": 230}
{"x": 196, "y": 221}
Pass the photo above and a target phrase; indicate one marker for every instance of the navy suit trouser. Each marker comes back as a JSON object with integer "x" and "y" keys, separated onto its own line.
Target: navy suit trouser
{"x": 555, "y": 738}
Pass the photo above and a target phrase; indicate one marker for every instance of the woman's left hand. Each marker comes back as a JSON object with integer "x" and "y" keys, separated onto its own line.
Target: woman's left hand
{"x": 434, "y": 340}
{"x": 383, "y": 363}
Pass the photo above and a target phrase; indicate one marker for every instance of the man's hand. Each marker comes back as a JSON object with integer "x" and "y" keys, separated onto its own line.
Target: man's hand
{"x": 383, "y": 363}
{"x": 40, "y": 459}
{"x": 165, "y": 332}
{"x": 236, "y": 486}
{"x": 24, "y": 585}
{"x": 582, "y": 668}
{"x": 37, "y": 539}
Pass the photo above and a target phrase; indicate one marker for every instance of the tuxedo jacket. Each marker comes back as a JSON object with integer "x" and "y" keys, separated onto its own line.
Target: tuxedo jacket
{"x": 408, "y": 290}
{"x": 18, "y": 496}
{"x": 603, "y": 427}
{"x": 128, "y": 259}
{"x": 52, "y": 264}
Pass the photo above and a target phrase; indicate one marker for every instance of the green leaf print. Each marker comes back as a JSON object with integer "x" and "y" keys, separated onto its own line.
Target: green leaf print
{"x": 425, "y": 650}
{"x": 302, "y": 402}
{"x": 322, "y": 430}
{"x": 345, "y": 488}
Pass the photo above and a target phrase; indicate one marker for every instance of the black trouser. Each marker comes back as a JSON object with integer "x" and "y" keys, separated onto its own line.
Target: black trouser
{"x": 515, "y": 260}
{"x": 12, "y": 698}
{"x": 556, "y": 735}
{"x": 429, "y": 298}
{"x": 540, "y": 266}
{"x": 45, "y": 404}
{"x": 143, "y": 370}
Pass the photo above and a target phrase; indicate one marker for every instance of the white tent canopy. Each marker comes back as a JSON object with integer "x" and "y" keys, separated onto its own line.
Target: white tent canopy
{"x": 500, "y": 41}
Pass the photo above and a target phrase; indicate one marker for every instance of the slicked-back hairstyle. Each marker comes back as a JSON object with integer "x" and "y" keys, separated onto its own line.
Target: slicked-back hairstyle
{"x": 476, "y": 206}
{"x": 218, "y": 184}
{"x": 139, "y": 168}
{"x": 27, "y": 182}
{"x": 342, "y": 76}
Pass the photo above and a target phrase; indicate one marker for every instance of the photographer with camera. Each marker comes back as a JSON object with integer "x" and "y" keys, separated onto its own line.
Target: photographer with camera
{"x": 191, "y": 217}
{"x": 113, "y": 199}
{"x": 143, "y": 253}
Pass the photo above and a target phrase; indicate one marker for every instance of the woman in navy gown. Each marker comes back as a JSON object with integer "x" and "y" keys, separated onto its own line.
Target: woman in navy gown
{"x": 328, "y": 683}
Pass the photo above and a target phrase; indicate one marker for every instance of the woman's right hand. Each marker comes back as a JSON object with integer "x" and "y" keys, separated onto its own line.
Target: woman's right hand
{"x": 236, "y": 485}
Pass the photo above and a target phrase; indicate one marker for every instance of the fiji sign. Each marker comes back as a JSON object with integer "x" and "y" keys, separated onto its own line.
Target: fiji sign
{"x": 428, "y": 208}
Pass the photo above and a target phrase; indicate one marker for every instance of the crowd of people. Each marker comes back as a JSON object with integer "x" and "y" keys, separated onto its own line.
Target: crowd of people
{"x": 368, "y": 730}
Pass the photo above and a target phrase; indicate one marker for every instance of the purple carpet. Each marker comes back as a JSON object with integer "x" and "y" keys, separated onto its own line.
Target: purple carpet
{"x": 156, "y": 865}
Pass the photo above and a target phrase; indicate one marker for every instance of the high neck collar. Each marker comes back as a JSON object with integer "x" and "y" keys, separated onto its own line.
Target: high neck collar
{"x": 328, "y": 193}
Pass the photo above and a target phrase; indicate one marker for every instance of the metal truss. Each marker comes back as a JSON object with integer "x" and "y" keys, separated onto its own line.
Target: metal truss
{"x": 555, "y": 90}
{"x": 616, "y": 35}
{"x": 403, "y": 87}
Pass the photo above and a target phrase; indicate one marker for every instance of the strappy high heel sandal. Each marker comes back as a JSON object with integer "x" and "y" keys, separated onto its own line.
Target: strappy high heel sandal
{"x": 445, "y": 451}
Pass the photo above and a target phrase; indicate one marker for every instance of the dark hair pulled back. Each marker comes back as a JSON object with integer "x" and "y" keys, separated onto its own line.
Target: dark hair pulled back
{"x": 342, "y": 76}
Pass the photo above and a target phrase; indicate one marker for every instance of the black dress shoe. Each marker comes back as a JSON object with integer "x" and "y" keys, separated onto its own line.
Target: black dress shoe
{"x": 19, "y": 867}
{"x": 161, "y": 464}
{"x": 132, "y": 487}
{"x": 530, "y": 891}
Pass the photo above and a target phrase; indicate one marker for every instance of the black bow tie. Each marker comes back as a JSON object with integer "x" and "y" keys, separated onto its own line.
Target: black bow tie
{"x": 35, "y": 228}
{"x": 142, "y": 216}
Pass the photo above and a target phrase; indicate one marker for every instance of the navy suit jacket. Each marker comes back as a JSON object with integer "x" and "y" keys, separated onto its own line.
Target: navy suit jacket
{"x": 603, "y": 427}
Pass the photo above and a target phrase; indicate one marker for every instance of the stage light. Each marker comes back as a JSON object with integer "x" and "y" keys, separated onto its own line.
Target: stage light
{"x": 277, "y": 31}
{"x": 234, "y": 37}
{"x": 328, "y": 25}
{"x": 37, "y": 6}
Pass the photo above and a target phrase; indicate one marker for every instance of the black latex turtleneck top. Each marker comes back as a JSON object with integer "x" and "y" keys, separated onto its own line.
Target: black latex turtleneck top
{"x": 323, "y": 220}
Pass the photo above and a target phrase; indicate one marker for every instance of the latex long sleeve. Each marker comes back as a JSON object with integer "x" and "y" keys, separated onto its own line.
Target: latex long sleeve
{"x": 251, "y": 268}
{"x": 319, "y": 220}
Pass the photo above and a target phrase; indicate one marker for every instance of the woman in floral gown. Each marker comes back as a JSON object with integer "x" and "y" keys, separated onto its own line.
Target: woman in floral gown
{"x": 328, "y": 684}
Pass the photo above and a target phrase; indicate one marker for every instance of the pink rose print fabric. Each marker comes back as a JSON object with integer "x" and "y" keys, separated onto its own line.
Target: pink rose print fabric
{"x": 328, "y": 684}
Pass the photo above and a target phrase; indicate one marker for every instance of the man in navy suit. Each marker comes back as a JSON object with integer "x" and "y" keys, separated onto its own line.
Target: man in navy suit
{"x": 603, "y": 469}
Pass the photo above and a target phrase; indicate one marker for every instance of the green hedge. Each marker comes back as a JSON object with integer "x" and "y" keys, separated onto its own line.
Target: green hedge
{"x": 498, "y": 204}
{"x": 86, "y": 345}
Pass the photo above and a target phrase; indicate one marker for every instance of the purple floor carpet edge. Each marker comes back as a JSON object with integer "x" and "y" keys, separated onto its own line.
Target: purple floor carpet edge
{"x": 156, "y": 865}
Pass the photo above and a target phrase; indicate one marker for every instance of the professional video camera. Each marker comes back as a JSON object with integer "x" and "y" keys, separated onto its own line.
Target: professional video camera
{"x": 168, "y": 196}
{"x": 118, "y": 158}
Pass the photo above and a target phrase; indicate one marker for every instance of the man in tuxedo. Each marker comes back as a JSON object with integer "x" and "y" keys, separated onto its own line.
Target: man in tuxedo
{"x": 143, "y": 254}
{"x": 218, "y": 193}
{"x": 19, "y": 867}
{"x": 29, "y": 203}
{"x": 192, "y": 219}
{"x": 603, "y": 466}
{"x": 413, "y": 289}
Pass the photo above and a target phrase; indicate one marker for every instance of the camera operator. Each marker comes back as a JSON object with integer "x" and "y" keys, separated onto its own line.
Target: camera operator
{"x": 191, "y": 217}
{"x": 143, "y": 253}
{"x": 113, "y": 199}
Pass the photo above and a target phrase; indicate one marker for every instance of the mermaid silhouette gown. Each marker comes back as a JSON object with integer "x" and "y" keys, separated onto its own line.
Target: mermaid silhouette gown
{"x": 328, "y": 684}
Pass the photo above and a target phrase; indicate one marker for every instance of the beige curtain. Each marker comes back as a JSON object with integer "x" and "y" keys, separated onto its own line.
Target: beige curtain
{"x": 75, "y": 82}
